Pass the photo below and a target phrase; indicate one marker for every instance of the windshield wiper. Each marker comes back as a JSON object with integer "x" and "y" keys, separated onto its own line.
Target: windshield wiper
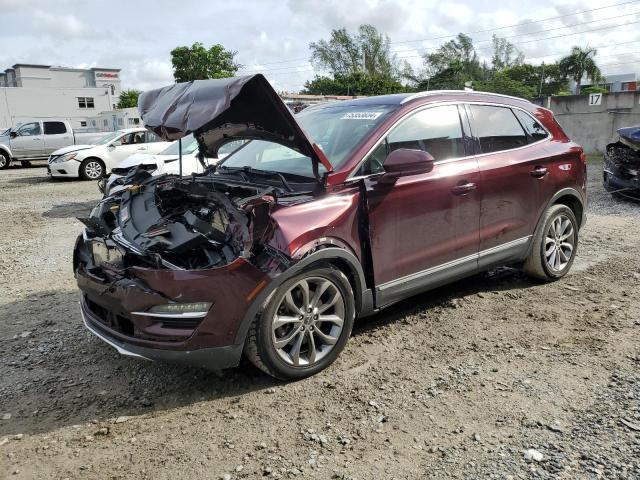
{"x": 258, "y": 172}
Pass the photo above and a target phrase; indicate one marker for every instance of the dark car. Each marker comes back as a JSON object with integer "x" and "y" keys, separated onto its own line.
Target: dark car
{"x": 621, "y": 173}
{"x": 333, "y": 214}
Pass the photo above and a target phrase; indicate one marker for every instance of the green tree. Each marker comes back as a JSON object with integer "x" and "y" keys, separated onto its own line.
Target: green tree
{"x": 199, "y": 63}
{"x": 580, "y": 62}
{"x": 505, "y": 54}
{"x": 128, "y": 98}
{"x": 543, "y": 79}
{"x": 357, "y": 83}
{"x": 502, "y": 83}
{"x": 344, "y": 53}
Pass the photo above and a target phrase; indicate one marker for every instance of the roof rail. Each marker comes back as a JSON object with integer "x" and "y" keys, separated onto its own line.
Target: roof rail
{"x": 457, "y": 92}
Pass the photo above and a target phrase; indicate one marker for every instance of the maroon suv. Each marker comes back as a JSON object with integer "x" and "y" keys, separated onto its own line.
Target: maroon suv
{"x": 317, "y": 219}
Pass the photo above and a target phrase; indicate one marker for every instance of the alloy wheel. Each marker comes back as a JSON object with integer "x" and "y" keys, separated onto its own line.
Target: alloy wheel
{"x": 93, "y": 170}
{"x": 559, "y": 243}
{"x": 308, "y": 321}
{"x": 3, "y": 161}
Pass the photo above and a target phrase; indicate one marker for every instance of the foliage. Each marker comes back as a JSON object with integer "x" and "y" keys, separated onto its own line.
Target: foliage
{"x": 580, "y": 62}
{"x": 357, "y": 83}
{"x": 455, "y": 60}
{"x": 505, "y": 54}
{"x": 365, "y": 51}
{"x": 593, "y": 89}
{"x": 502, "y": 83}
{"x": 128, "y": 98}
{"x": 199, "y": 63}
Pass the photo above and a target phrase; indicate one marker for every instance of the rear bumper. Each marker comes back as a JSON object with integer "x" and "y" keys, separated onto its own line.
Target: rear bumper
{"x": 214, "y": 358}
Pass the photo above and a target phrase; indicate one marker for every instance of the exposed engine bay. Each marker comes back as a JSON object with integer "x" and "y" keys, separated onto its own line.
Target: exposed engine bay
{"x": 622, "y": 162}
{"x": 179, "y": 223}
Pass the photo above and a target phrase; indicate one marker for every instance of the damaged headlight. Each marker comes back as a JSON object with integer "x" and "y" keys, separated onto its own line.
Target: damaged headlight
{"x": 196, "y": 309}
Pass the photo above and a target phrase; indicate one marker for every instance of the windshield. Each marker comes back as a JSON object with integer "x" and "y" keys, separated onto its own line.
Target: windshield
{"x": 110, "y": 137}
{"x": 189, "y": 145}
{"x": 337, "y": 129}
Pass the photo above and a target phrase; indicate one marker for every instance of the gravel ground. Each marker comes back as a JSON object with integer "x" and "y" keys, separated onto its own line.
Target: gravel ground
{"x": 492, "y": 377}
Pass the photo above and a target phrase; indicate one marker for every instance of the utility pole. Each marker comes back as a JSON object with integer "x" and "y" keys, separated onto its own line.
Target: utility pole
{"x": 541, "y": 78}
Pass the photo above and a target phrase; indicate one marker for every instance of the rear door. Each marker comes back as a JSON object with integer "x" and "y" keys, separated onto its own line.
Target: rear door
{"x": 56, "y": 135}
{"x": 510, "y": 169}
{"x": 423, "y": 228}
{"x": 29, "y": 141}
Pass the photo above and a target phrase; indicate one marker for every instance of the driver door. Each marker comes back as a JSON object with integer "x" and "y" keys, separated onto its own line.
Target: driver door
{"x": 424, "y": 229}
{"x": 124, "y": 147}
{"x": 29, "y": 141}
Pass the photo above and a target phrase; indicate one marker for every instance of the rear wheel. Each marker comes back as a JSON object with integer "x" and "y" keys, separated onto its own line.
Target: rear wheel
{"x": 91, "y": 169}
{"x": 304, "y": 325}
{"x": 5, "y": 161}
{"x": 554, "y": 244}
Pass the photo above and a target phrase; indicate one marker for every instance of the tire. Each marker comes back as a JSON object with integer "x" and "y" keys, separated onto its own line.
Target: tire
{"x": 542, "y": 263}
{"x": 91, "y": 169}
{"x": 317, "y": 342}
{"x": 5, "y": 161}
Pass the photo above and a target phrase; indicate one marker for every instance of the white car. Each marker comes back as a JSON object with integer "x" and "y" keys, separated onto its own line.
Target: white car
{"x": 167, "y": 161}
{"x": 91, "y": 162}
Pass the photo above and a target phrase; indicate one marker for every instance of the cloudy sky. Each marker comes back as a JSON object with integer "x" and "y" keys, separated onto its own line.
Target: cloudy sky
{"x": 272, "y": 36}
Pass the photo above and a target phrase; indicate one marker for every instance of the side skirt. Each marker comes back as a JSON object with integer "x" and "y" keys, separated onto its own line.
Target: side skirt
{"x": 434, "y": 277}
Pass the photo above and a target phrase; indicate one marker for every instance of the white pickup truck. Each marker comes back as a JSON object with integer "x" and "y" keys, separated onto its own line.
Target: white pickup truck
{"x": 36, "y": 140}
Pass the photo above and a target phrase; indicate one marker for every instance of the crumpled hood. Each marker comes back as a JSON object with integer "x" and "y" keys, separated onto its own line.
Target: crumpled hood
{"x": 630, "y": 136}
{"x": 220, "y": 110}
{"x": 71, "y": 148}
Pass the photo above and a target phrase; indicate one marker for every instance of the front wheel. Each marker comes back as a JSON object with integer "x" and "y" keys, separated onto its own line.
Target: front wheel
{"x": 554, "y": 244}
{"x": 5, "y": 161}
{"x": 91, "y": 169}
{"x": 304, "y": 326}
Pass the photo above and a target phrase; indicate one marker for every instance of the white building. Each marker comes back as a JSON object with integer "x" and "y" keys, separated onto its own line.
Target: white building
{"x": 43, "y": 91}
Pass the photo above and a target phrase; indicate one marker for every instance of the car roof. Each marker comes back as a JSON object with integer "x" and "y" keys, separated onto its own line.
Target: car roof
{"x": 402, "y": 98}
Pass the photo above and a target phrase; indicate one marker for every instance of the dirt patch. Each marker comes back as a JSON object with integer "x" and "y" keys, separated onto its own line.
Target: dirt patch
{"x": 462, "y": 382}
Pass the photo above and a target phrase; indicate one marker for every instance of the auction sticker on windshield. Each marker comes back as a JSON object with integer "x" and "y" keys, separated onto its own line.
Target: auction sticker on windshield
{"x": 361, "y": 116}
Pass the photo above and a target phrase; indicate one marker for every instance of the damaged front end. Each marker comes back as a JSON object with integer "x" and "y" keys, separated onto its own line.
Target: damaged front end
{"x": 621, "y": 174}
{"x": 174, "y": 263}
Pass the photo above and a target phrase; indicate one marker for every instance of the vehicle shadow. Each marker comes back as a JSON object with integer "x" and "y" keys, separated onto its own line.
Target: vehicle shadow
{"x": 70, "y": 209}
{"x": 55, "y": 373}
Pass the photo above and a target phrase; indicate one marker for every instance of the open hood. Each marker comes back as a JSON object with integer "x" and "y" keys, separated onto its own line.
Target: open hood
{"x": 221, "y": 110}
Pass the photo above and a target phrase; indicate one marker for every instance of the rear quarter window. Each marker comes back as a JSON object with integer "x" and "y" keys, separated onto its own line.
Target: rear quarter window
{"x": 497, "y": 128}
{"x": 534, "y": 129}
{"x": 54, "y": 128}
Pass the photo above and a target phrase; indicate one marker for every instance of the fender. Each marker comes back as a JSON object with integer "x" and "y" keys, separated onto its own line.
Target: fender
{"x": 5, "y": 149}
{"x": 559, "y": 194}
{"x": 364, "y": 295}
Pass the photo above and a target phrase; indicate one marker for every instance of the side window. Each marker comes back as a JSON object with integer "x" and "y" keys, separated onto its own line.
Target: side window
{"x": 54, "y": 128}
{"x": 436, "y": 130}
{"x": 152, "y": 137}
{"x": 531, "y": 126}
{"x": 497, "y": 128}
{"x": 29, "y": 129}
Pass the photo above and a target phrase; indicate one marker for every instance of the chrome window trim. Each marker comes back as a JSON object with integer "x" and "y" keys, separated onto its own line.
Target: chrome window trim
{"x": 419, "y": 108}
{"x": 453, "y": 263}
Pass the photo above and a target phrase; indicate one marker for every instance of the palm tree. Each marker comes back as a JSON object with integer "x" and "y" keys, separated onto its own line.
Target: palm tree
{"x": 579, "y": 62}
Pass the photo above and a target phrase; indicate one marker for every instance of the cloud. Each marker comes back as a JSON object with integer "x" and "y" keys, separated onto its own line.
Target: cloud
{"x": 62, "y": 25}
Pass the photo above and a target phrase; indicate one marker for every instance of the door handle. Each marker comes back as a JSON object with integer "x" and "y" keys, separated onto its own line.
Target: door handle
{"x": 463, "y": 188}
{"x": 539, "y": 172}
{"x": 142, "y": 148}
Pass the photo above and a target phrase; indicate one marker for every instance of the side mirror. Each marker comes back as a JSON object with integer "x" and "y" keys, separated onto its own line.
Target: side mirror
{"x": 404, "y": 161}
{"x": 111, "y": 146}
{"x": 13, "y": 134}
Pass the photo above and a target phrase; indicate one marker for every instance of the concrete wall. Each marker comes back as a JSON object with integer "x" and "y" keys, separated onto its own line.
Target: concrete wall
{"x": 18, "y": 105}
{"x": 593, "y": 126}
